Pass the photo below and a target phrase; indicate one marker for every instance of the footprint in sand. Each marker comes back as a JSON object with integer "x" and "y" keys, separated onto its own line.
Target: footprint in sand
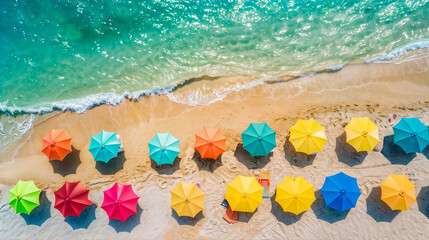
{"x": 163, "y": 184}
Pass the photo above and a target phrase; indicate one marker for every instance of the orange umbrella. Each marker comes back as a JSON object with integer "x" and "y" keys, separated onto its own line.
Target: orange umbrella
{"x": 210, "y": 142}
{"x": 56, "y": 145}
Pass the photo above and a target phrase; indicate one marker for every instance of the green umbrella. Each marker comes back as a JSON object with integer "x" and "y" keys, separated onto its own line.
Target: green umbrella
{"x": 24, "y": 196}
{"x": 259, "y": 139}
{"x": 164, "y": 148}
{"x": 104, "y": 146}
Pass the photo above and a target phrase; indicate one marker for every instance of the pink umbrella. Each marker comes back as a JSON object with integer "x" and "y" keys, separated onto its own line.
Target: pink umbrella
{"x": 120, "y": 202}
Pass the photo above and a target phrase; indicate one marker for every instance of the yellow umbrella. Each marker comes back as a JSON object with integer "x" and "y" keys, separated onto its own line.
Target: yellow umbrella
{"x": 307, "y": 136}
{"x": 295, "y": 195}
{"x": 398, "y": 192}
{"x": 187, "y": 199}
{"x": 362, "y": 134}
{"x": 244, "y": 194}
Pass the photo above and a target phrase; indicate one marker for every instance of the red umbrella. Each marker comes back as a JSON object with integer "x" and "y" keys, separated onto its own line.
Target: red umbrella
{"x": 120, "y": 202}
{"x": 72, "y": 198}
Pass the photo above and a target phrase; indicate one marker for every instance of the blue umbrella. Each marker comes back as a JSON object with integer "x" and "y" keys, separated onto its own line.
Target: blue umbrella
{"x": 104, "y": 146}
{"x": 259, "y": 139}
{"x": 164, "y": 148}
{"x": 340, "y": 191}
{"x": 411, "y": 135}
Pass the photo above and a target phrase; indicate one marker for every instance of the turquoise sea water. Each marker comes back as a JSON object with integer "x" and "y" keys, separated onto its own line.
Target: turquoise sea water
{"x": 74, "y": 54}
{"x": 55, "y": 52}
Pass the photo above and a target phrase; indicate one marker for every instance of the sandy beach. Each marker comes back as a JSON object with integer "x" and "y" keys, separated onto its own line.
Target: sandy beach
{"x": 376, "y": 90}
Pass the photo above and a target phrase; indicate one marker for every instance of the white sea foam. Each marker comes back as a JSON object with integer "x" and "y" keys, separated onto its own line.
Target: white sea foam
{"x": 400, "y": 51}
{"x": 81, "y": 105}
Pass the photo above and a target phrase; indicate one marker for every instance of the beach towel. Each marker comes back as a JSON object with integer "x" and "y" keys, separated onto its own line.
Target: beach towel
{"x": 231, "y": 216}
{"x": 121, "y": 148}
{"x": 264, "y": 180}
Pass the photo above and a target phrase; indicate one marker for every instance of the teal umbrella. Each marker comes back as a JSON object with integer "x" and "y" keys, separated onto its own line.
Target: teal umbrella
{"x": 104, "y": 146}
{"x": 259, "y": 139}
{"x": 411, "y": 135}
{"x": 164, "y": 148}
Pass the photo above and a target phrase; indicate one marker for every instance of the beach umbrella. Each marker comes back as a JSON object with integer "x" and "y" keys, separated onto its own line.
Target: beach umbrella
{"x": 340, "y": 191}
{"x": 164, "y": 148}
{"x": 57, "y": 144}
{"x": 362, "y": 134}
{"x": 259, "y": 139}
{"x": 187, "y": 199}
{"x": 24, "y": 196}
{"x": 120, "y": 202}
{"x": 210, "y": 143}
{"x": 71, "y": 199}
{"x": 295, "y": 195}
{"x": 411, "y": 135}
{"x": 398, "y": 192}
{"x": 307, "y": 136}
{"x": 104, "y": 146}
{"x": 244, "y": 194}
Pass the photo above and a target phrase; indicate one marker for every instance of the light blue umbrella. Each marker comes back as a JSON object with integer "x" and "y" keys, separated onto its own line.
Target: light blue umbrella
{"x": 411, "y": 135}
{"x": 259, "y": 139}
{"x": 340, "y": 191}
{"x": 104, "y": 146}
{"x": 164, "y": 148}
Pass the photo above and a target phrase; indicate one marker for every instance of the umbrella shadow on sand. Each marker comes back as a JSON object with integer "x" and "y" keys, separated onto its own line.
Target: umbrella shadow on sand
{"x": 394, "y": 153}
{"x": 86, "y": 217}
{"x": 281, "y": 216}
{"x": 377, "y": 209}
{"x": 326, "y": 213}
{"x": 166, "y": 168}
{"x": 41, "y": 213}
{"x": 346, "y": 153}
{"x": 190, "y": 221}
{"x": 246, "y": 216}
{"x": 423, "y": 201}
{"x": 129, "y": 224}
{"x": 207, "y": 164}
{"x": 250, "y": 162}
{"x": 425, "y": 152}
{"x": 68, "y": 165}
{"x": 113, "y": 166}
{"x": 295, "y": 158}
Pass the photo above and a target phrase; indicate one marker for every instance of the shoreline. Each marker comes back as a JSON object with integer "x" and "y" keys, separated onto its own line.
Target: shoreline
{"x": 373, "y": 90}
{"x": 405, "y": 53}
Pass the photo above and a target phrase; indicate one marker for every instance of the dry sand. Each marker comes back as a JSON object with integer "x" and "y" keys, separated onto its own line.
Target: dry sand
{"x": 375, "y": 90}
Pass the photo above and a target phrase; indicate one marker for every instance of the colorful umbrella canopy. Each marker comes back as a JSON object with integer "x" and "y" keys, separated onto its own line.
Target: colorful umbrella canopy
{"x": 362, "y": 134}
{"x": 164, "y": 148}
{"x": 210, "y": 143}
{"x": 24, "y": 196}
{"x": 104, "y": 146}
{"x": 307, "y": 136}
{"x": 71, "y": 199}
{"x": 295, "y": 195}
{"x": 187, "y": 199}
{"x": 259, "y": 139}
{"x": 411, "y": 134}
{"x": 340, "y": 191}
{"x": 398, "y": 192}
{"x": 120, "y": 202}
{"x": 57, "y": 144}
{"x": 244, "y": 194}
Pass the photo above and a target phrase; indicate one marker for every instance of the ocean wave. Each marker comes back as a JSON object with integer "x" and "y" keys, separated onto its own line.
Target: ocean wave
{"x": 82, "y": 105}
{"x": 400, "y": 51}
